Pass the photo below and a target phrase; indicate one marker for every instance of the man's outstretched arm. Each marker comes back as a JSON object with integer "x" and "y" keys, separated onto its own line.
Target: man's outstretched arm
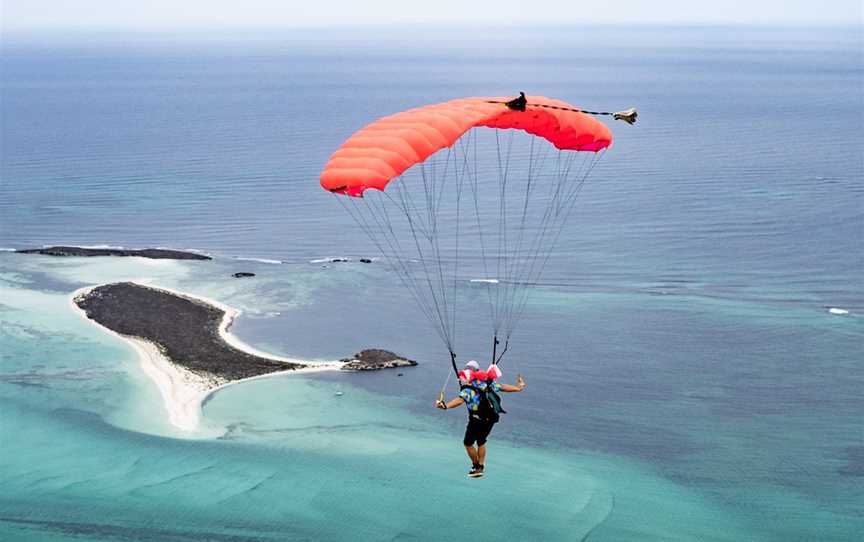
{"x": 512, "y": 389}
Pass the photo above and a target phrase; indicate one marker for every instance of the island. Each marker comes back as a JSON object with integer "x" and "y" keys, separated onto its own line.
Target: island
{"x": 373, "y": 359}
{"x": 184, "y": 344}
{"x": 152, "y": 253}
{"x": 186, "y": 330}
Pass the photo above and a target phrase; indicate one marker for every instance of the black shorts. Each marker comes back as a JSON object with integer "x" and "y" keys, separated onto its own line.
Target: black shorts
{"x": 477, "y": 431}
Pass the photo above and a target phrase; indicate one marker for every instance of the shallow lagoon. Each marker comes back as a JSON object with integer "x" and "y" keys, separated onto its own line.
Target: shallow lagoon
{"x": 88, "y": 452}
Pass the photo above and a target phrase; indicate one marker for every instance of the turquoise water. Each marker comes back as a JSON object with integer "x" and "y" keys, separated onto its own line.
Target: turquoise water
{"x": 686, "y": 381}
{"x": 88, "y": 453}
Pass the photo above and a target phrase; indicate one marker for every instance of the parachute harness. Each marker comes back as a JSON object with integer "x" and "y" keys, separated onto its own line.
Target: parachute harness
{"x": 515, "y": 235}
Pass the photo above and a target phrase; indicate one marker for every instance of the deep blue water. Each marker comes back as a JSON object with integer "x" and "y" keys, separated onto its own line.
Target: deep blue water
{"x": 682, "y": 328}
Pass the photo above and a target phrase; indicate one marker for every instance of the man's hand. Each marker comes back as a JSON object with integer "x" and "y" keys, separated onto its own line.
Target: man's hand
{"x": 520, "y": 385}
{"x": 455, "y": 402}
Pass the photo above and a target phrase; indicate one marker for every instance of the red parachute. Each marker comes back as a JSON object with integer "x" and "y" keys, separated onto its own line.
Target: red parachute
{"x": 386, "y": 148}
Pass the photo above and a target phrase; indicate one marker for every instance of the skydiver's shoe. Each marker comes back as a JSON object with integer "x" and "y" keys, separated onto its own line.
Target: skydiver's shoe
{"x": 476, "y": 471}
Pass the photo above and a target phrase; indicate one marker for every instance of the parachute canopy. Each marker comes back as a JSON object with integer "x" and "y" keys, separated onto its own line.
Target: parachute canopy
{"x": 389, "y": 146}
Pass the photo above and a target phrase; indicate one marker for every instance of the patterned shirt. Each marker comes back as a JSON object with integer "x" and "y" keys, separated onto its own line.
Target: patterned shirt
{"x": 472, "y": 398}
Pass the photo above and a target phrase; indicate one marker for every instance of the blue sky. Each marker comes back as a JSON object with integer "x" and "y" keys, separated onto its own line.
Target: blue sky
{"x": 204, "y": 14}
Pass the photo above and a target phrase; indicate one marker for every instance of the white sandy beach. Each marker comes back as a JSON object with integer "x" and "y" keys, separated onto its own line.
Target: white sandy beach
{"x": 182, "y": 390}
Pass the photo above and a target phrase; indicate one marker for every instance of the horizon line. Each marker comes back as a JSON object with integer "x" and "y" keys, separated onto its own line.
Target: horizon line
{"x": 397, "y": 25}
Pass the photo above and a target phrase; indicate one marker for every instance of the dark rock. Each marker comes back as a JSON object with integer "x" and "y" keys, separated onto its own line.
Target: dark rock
{"x": 152, "y": 253}
{"x": 241, "y": 274}
{"x": 365, "y": 260}
{"x": 373, "y": 359}
{"x": 186, "y": 330}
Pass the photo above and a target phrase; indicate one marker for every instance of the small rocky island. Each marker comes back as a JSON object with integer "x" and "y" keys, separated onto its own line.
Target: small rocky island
{"x": 373, "y": 359}
{"x": 152, "y": 253}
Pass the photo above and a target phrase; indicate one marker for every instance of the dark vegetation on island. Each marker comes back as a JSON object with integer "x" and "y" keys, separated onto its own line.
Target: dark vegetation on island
{"x": 152, "y": 253}
{"x": 185, "y": 330}
{"x": 242, "y": 274}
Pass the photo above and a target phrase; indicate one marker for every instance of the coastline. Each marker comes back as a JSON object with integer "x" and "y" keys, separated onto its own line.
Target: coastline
{"x": 183, "y": 391}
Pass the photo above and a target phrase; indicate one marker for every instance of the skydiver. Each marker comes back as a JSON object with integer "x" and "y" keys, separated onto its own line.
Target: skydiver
{"x": 479, "y": 393}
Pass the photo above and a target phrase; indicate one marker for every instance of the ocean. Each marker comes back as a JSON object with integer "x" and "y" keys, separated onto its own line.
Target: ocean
{"x": 686, "y": 379}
